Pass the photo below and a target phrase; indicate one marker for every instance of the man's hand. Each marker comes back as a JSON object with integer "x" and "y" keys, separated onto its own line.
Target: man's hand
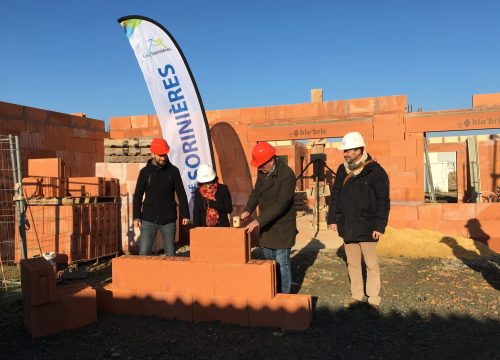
{"x": 138, "y": 223}
{"x": 376, "y": 235}
{"x": 253, "y": 225}
{"x": 244, "y": 215}
{"x": 185, "y": 221}
{"x": 333, "y": 227}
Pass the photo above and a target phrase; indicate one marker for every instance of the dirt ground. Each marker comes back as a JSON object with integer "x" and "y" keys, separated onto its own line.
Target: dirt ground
{"x": 431, "y": 308}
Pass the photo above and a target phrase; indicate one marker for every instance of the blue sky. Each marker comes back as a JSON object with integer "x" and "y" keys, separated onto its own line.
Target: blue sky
{"x": 73, "y": 56}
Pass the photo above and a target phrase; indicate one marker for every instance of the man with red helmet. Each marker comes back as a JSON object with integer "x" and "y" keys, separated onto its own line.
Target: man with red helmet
{"x": 274, "y": 193}
{"x": 159, "y": 180}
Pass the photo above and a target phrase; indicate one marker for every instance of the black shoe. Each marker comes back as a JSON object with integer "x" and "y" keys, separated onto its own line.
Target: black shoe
{"x": 374, "y": 311}
{"x": 352, "y": 304}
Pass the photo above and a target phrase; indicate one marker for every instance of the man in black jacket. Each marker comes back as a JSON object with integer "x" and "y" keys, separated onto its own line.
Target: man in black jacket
{"x": 359, "y": 211}
{"x": 159, "y": 180}
{"x": 273, "y": 192}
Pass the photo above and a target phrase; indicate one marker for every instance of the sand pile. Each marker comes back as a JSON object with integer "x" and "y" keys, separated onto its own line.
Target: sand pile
{"x": 429, "y": 243}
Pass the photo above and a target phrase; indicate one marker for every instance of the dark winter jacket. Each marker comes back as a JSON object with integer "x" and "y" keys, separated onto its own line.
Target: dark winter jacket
{"x": 159, "y": 184}
{"x": 274, "y": 195}
{"x": 222, "y": 204}
{"x": 362, "y": 205}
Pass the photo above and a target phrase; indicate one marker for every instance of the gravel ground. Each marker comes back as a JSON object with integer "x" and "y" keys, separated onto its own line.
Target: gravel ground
{"x": 431, "y": 308}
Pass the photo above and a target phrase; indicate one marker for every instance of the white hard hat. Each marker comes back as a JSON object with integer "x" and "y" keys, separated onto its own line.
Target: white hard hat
{"x": 352, "y": 140}
{"x": 205, "y": 174}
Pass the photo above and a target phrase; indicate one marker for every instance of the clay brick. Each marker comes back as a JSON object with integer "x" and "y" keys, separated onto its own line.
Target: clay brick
{"x": 252, "y": 115}
{"x": 288, "y": 311}
{"x": 222, "y": 245}
{"x": 459, "y": 211}
{"x": 487, "y": 211}
{"x": 377, "y": 149}
{"x": 404, "y": 212}
{"x": 452, "y": 227}
{"x": 228, "y": 115}
{"x": 388, "y": 132}
{"x": 74, "y": 308}
{"x": 153, "y": 122}
{"x": 398, "y": 194}
{"x": 414, "y": 163}
{"x": 38, "y": 281}
{"x": 430, "y": 212}
{"x": 182, "y": 276}
{"x": 139, "y": 122}
{"x": 420, "y": 224}
{"x": 53, "y": 167}
{"x": 278, "y": 112}
{"x": 404, "y": 179}
{"x": 119, "y": 123}
{"x": 168, "y": 305}
{"x": 304, "y": 110}
{"x": 117, "y": 301}
{"x": 85, "y": 186}
{"x": 256, "y": 279}
{"x": 403, "y": 148}
{"x": 140, "y": 273}
{"x": 232, "y": 310}
{"x": 392, "y": 164}
{"x": 416, "y": 193}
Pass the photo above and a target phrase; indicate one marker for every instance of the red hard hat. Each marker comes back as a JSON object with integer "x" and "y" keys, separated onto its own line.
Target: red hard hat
{"x": 159, "y": 146}
{"x": 262, "y": 153}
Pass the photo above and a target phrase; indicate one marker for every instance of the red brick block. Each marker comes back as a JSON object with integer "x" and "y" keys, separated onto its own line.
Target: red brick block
{"x": 117, "y": 301}
{"x": 403, "y": 148}
{"x": 119, "y": 123}
{"x": 139, "y": 122}
{"x": 53, "y": 167}
{"x": 232, "y": 310}
{"x": 392, "y": 164}
{"x": 404, "y": 212}
{"x": 38, "y": 281}
{"x": 141, "y": 273}
{"x": 452, "y": 227}
{"x": 221, "y": 245}
{"x": 402, "y": 179}
{"x": 179, "y": 275}
{"x": 288, "y": 311}
{"x": 489, "y": 211}
{"x": 251, "y": 115}
{"x": 86, "y": 186}
{"x": 74, "y": 308}
{"x": 168, "y": 305}
{"x": 430, "y": 212}
{"x": 256, "y": 279}
{"x": 459, "y": 211}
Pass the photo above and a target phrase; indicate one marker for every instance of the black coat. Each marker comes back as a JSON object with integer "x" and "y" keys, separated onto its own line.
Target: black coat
{"x": 222, "y": 203}
{"x": 159, "y": 184}
{"x": 362, "y": 205}
{"x": 274, "y": 195}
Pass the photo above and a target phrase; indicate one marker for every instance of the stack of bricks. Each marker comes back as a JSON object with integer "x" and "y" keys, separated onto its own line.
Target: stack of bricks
{"x": 218, "y": 283}
{"x": 49, "y": 310}
{"x": 76, "y": 217}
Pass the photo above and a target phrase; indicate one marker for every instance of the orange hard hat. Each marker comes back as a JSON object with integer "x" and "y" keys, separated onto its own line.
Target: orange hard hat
{"x": 262, "y": 153}
{"x": 159, "y": 146}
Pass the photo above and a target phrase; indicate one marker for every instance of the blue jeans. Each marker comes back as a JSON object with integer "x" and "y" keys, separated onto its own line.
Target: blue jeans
{"x": 282, "y": 257}
{"x": 148, "y": 235}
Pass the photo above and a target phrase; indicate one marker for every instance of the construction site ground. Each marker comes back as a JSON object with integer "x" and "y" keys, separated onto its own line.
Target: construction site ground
{"x": 440, "y": 299}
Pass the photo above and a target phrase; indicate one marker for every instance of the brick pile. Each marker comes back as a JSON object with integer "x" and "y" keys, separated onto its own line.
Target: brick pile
{"x": 218, "y": 283}
{"x": 76, "y": 217}
{"x": 49, "y": 309}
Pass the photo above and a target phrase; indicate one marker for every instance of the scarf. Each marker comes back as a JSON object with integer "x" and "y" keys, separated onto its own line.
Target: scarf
{"x": 355, "y": 169}
{"x": 208, "y": 193}
{"x": 357, "y": 166}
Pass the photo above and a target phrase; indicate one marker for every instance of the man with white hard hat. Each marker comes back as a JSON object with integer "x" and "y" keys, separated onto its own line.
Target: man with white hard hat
{"x": 359, "y": 211}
